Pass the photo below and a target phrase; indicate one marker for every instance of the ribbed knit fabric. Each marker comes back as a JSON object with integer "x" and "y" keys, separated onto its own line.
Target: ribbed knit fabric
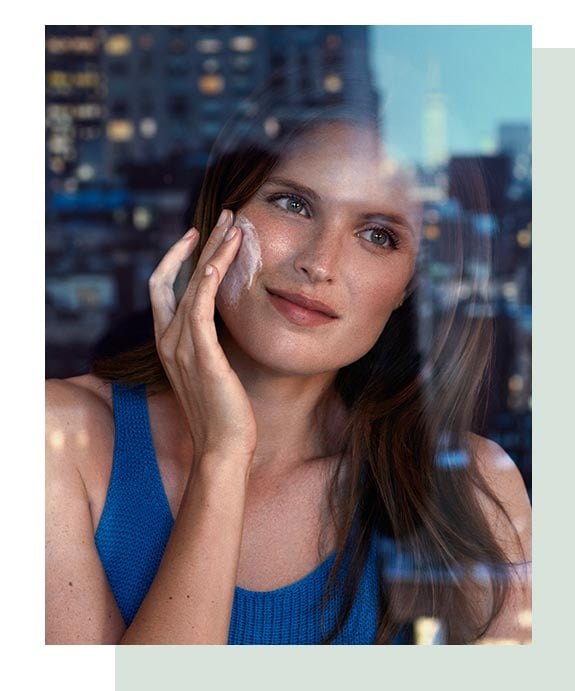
{"x": 135, "y": 527}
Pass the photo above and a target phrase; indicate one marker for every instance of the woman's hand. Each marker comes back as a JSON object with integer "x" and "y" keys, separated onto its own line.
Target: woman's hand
{"x": 215, "y": 403}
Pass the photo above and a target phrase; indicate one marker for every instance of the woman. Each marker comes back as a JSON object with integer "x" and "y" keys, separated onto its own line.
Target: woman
{"x": 317, "y": 479}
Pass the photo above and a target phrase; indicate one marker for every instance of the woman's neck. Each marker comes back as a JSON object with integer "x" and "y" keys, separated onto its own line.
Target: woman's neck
{"x": 298, "y": 417}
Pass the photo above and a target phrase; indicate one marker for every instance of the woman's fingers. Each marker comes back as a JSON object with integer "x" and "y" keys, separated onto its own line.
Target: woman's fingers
{"x": 220, "y": 251}
{"x": 213, "y": 243}
{"x": 161, "y": 282}
{"x": 204, "y": 333}
{"x": 220, "y": 255}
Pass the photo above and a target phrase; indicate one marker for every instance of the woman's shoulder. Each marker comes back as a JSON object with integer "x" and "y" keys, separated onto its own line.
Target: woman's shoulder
{"x": 505, "y": 483}
{"x": 78, "y": 399}
{"x": 79, "y": 422}
{"x": 495, "y": 466}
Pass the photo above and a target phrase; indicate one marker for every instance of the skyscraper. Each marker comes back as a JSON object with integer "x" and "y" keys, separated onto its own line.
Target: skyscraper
{"x": 435, "y": 151}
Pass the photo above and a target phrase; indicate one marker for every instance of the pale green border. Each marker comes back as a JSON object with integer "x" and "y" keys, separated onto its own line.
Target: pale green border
{"x": 487, "y": 668}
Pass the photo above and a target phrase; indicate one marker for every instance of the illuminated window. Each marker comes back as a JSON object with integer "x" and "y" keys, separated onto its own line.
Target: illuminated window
{"x": 524, "y": 237}
{"x": 120, "y": 130}
{"x": 141, "y": 217}
{"x": 515, "y": 383}
{"x": 211, "y": 84}
{"x": 119, "y": 44}
{"x": 88, "y": 111}
{"x": 54, "y": 112}
{"x": 54, "y": 45}
{"x": 209, "y": 45}
{"x": 272, "y": 127}
{"x": 57, "y": 165}
{"x": 432, "y": 232}
{"x": 333, "y": 84}
{"x": 148, "y": 128}
{"x": 243, "y": 44}
{"x": 58, "y": 80}
{"x": 59, "y": 144}
{"x": 71, "y": 44}
{"x": 510, "y": 291}
{"x": 86, "y": 80}
{"x": 85, "y": 172}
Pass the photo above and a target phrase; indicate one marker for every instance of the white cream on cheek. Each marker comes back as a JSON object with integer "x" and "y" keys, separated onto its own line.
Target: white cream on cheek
{"x": 246, "y": 264}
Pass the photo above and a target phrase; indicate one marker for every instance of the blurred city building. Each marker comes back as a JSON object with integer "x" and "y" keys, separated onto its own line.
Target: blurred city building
{"x": 496, "y": 227}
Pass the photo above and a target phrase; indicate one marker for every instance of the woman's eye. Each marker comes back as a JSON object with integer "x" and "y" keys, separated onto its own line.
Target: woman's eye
{"x": 380, "y": 237}
{"x": 291, "y": 203}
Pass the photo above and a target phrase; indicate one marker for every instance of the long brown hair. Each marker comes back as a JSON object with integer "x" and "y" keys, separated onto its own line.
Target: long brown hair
{"x": 406, "y": 475}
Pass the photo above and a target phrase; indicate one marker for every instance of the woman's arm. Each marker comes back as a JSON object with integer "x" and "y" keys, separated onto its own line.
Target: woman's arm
{"x": 513, "y": 625}
{"x": 80, "y": 607}
{"x": 191, "y": 598}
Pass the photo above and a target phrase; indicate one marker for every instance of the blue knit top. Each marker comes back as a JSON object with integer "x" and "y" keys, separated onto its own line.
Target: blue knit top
{"x": 135, "y": 526}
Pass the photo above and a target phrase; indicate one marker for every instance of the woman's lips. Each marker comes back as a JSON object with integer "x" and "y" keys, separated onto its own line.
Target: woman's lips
{"x": 298, "y": 314}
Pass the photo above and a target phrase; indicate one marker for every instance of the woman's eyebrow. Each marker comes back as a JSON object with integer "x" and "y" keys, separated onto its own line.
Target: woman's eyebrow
{"x": 382, "y": 216}
{"x": 296, "y": 186}
{"x": 390, "y": 217}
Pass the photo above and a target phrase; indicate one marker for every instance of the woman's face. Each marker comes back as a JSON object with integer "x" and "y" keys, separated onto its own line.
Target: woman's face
{"x": 333, "y": 223}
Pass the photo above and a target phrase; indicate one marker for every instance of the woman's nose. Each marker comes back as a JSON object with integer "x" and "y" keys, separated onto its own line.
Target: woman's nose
{"x": 319, "y": 258}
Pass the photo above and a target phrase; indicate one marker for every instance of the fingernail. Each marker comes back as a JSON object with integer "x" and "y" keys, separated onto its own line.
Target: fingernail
{"x": 223, "y": 219}
{"x": 230, "y": 234}
{"x": 190, "y": 232}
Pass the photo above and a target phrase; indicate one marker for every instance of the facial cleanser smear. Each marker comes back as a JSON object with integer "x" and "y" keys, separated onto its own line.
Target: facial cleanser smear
{"x": 246, "y": 264}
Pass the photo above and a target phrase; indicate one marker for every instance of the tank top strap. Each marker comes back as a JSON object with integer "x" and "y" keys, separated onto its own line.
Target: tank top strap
{"x": 135, "y": 472}
{"x": 136, "y": 521}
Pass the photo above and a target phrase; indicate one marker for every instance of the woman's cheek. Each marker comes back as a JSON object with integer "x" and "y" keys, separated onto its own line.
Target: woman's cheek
{"x": 245, "y": 266}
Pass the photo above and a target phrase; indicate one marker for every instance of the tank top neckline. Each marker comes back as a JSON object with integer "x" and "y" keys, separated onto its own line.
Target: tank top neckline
{"x": 316, "y": 575}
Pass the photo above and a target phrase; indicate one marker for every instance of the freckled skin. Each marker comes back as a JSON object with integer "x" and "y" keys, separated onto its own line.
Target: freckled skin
{"x": 326, "y": 253}
{"x": 247, "y": 263}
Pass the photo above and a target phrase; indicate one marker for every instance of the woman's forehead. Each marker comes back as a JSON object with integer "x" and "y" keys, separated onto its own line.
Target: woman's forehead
{"x": 348, "y": 163}
{"x": 344, "y": 150}
{"x": 341, "y": 137}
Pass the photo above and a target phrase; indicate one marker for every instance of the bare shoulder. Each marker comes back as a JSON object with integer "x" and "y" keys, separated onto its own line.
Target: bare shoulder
{"x": 79, "y": 412}
{"x": 504, "y": 480}
{"x": 497, "y": 469}
{"x": 75, "y": 397}
{"x": 509, "y": 519}
{"x": 80, "y": 607}
{"x": 80, "y": 433}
